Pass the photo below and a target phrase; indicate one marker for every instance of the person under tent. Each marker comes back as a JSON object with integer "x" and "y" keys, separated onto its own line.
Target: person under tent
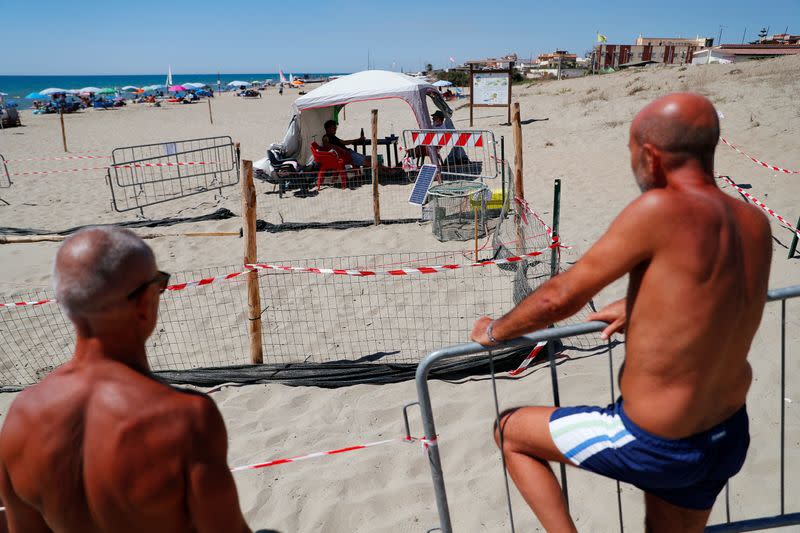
{"x": 331, "y": 142}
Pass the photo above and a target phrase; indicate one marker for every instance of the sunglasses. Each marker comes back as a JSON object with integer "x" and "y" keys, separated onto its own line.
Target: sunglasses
{"x": 162, "y": 279}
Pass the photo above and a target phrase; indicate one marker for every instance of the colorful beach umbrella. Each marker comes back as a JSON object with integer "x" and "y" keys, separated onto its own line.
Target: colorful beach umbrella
{"x": 195, "y": 85}
{"x": 106, "y": 90}
{"x": 130, "y": 88}
{"x": 52, "y": 90}
{"x": 176, "y": 88}
{"x": 88, "y": 90}
{"x": 35, "y": 96}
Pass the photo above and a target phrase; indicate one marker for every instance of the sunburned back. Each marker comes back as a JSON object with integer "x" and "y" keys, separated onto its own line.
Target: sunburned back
{"x": 693, "y": 311}
{"x": 112, "y": 443}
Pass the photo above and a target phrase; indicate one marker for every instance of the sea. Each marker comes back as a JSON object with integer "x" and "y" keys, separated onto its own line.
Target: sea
{"x": 19, "y": 86}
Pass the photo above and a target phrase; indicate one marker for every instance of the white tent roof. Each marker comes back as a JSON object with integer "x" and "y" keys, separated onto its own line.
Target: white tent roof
{"x": 366, "y": 85}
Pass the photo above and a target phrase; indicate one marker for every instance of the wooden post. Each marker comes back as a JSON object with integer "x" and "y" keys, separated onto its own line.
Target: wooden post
{"x": 519, "y": 190}
{"x": 376, "y": 200}
{"x": 210, "y": 116}
{"x": 63, "y": 132}
{"x": 251, "y": 256}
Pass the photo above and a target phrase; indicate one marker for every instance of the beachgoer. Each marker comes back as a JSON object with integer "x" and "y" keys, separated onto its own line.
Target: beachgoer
{"x": 280, "y": 89}
{"x": 101, "y": 445}
{"x": 699, "y": 265}
{"x": 331, "y": 142}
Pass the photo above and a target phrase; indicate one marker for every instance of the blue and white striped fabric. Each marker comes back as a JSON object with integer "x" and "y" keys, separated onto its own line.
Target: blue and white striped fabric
{"x": 688, "y": 472}
{"x": 582, "y": 434}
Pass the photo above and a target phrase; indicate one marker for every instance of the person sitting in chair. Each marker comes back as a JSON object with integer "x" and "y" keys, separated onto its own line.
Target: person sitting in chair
{"x": 331, "y": 142}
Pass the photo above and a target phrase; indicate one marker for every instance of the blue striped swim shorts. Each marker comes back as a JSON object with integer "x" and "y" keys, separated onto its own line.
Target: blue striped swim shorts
{"x": 688, "y": 472}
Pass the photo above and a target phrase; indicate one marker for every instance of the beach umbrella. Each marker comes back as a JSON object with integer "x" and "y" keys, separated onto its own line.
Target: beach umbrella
{"x": 3, "y": 94}
{"x": 106, "y": 90}
{"x": 237, "y": 83}
{"x": 52, "y": 90}
{"x": 87, "y": 90}
{"x": 176, "y": 88}
{"x": 442, "y": 83}
{"x": 35, "y": 96}
{"x": 195, "y": 85}
{"x": 130, "y": 88}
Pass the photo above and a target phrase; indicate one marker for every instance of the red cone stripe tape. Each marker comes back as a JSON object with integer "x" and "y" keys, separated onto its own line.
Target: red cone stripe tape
{"x": 430, "y": 138}
{"x": 531, "y": 356}
{"x": 762, "y": 205}
{"x": 277, "y": 462}
{"x": 758, "y": 161}
{"x": 397, "y": 272}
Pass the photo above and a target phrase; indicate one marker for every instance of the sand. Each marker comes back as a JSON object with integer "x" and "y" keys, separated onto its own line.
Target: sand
{"x": 388, "y": 488}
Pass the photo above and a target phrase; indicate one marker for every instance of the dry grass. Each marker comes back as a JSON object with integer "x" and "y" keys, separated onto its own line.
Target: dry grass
{"x": 636, "y": 89}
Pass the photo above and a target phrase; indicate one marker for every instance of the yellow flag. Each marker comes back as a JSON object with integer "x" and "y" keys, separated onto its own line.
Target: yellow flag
{"x": 601, "y": 38}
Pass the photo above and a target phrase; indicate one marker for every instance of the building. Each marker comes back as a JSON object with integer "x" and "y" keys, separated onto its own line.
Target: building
{"x": 699, "y": 42}
{"x": 780, "y": 38}
{"x": 504, "y": 62}
{"x": 647, "y": 50}
{"x": 562, "y": 57}
{"x": 736, "y": 53}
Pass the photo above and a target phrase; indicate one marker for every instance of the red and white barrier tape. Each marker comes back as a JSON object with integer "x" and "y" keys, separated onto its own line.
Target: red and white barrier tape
{"x": 134, "y": 165}
{"x": 527, "y": 361}
{"x": 176, "y": 164}
{"x": 399, "y": 271}
{"x": 761, "y": 204}
{"x": 64, "y": 158}
{"x": 176, "y": 287}
{"x": 299, "y": 458}
{"x": 28, "y": 304}
{"x": 758, "y": 161}
{"x": 315, "y": 270}
{"x": 42, "y": 172}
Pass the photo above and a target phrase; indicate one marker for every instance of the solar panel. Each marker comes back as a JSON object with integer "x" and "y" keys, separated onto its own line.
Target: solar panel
{"x": 423, "y": 183}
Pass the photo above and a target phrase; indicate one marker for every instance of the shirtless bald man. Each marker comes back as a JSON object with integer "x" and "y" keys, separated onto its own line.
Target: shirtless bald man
{"x": 99, "y": 445}
{"x": 699, "y": 265}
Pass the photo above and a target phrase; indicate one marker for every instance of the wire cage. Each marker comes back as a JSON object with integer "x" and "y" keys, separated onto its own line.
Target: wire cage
{"x": 459, "y": 210}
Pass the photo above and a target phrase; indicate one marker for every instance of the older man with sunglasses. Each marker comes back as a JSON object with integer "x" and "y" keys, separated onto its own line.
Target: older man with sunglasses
{"x": 100, "y": 445}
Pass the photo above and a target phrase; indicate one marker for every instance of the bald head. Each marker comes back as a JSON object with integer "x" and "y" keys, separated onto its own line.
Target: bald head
{"x": 681, "y": 125}
{"x": 99, "y": 266}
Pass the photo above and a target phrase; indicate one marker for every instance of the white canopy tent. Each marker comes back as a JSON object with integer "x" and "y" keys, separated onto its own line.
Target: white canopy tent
{"x": 323, "y": 103}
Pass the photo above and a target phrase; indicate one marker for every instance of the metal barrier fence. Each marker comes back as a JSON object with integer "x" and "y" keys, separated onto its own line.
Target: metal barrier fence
{"x": 150, "y": 174}
{"x": 552, "y": 334}
{"x": 5, "y": 179}
{"x": 460, "y": 154}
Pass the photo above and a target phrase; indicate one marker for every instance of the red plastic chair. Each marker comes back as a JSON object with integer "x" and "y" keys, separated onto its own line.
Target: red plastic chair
{"x": 327, "y": 161}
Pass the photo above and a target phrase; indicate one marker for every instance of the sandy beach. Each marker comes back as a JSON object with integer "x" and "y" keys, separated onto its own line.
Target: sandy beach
{"x": 579, "y": 135}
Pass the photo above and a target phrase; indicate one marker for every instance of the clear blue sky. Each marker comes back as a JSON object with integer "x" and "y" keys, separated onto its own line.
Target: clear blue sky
{"x": 202, "y": 36}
